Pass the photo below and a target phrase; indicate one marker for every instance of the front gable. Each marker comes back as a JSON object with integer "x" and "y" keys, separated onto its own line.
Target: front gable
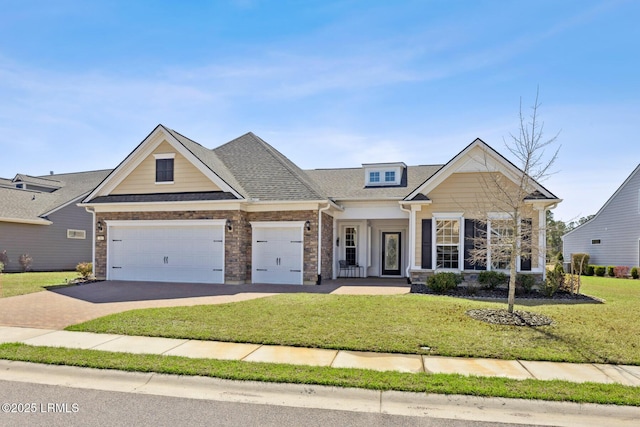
{"x": 137, "y": 173}
{"x": 476, "y": 159}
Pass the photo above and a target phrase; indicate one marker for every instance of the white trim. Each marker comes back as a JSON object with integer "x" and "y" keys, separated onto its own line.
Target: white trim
{"x": 442, "y": 216}
{"x": 277, "y": 224}
{"x": 165, "y": 222}
{"x": 160, "y": 156}
{"x": 164, "y": 182}
{"x": 26, "y": 221}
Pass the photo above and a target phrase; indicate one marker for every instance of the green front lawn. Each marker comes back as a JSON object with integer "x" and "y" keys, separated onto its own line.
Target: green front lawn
{"x": 12, "y": 284}
{"x": 601, "y": 333}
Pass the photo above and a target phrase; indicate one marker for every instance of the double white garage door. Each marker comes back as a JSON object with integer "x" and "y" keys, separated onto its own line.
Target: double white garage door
{"x": 168, "y": 251}
{"x": 193, "y": 251}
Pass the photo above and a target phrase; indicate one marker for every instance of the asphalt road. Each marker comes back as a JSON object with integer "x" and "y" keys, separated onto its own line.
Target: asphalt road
{"x": 51, "y": 406}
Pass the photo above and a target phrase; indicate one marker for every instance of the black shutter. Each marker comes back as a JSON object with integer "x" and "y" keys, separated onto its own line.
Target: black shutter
{"x": 525, "y": 261}
{"x": 426, "y": 244}
{"x": 469, "y": 234}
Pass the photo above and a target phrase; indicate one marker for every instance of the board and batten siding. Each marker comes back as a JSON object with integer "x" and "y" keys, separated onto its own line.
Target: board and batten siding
{"x": 616, "y": 225}
{"x": 464, "y": 193}
{"x": 186, "y": 177}
{"x": 48, "y": 245}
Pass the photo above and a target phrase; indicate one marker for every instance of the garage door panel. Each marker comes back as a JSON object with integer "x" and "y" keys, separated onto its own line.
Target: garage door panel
{"x": 277, "y": 255}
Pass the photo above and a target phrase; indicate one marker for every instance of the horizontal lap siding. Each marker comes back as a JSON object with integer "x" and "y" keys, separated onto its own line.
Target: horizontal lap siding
{"x": 617, "y": 226}
{"x": 186, "y": 177}
{"x": 48, "y": 244}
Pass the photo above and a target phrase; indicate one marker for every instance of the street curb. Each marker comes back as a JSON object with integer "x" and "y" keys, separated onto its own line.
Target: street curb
{"x": 323, "y": 397}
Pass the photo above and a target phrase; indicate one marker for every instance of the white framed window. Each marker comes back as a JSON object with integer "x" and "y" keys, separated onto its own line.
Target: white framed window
{"x": 447, "y": 243}
{"x": 596, "y": 241}
{"x": 351, "y": 245}
{"x": 501, "y": 243}
{"x": 164, "y": 168}
{"x": 374, "y": 177}
{"x": 76, "y": 234}
{"x": 390, "y": 176}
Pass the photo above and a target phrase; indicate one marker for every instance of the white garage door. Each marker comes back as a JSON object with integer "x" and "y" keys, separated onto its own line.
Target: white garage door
{"x": 277, "y": 253}
{"x": 167, "y": 251}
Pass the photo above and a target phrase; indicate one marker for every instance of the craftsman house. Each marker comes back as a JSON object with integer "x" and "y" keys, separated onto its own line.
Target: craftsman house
{"x": 174, "y": 210}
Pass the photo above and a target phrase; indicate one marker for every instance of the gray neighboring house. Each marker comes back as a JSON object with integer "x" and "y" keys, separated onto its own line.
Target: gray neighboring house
{"x": 39, "y": 217}
{"x": 612, "y": 236}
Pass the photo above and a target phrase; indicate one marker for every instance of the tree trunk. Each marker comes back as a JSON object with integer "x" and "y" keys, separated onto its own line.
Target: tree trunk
{"x": 512, "y": 284}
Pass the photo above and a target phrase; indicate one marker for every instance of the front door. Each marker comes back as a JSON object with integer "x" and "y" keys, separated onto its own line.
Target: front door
{"x": 391, "y": 254}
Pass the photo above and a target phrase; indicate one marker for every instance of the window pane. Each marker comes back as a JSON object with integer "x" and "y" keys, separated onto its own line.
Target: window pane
{"x": 374, "y": 177}
{"x": 164, "y": 170}
{"x": 447, "y": 243}
{"x": 390, "y": 176}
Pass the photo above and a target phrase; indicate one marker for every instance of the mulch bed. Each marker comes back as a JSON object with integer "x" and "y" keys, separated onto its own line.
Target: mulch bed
{"x": 503, "y": 317}
{"x": 502, "y": 294}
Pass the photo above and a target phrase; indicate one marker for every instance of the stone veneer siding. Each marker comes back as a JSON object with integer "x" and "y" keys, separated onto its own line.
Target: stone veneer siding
{"x": 327, "y": 247}
{"x": 237, "y": 241}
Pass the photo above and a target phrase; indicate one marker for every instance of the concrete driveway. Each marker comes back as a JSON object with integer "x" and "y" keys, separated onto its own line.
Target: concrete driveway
{"x": 61, "y": 307}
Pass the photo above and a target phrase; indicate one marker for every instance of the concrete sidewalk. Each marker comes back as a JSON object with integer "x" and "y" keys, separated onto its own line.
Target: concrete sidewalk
{"x": 412, "y": 363}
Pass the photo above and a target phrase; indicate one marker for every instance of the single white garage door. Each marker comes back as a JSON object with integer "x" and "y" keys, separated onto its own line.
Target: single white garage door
{"x": 277, "y": 250}
{"x": 166, "y": 251}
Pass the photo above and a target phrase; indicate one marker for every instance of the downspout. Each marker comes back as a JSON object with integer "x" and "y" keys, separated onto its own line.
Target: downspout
{"x": 319, "y": 281}
{"x": 411, "y": 242}
{"x": 93, "y": 237}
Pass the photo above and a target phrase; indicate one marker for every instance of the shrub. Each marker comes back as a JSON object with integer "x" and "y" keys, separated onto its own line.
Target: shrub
{"x": 4, "y": 258}
{"x": 554, "y": 280}
{"x": 525, "y": 283}
{"x": 600, "y": 270}
{"x": 610, "y": 271}
{"x": 84, "y": 269}
{"x": 443, "y": 282}
{"x": 491, "y": 279}
{"x": 560, "y": 257}
{"x": 1, "y": 267}
{"x": 634, "y": 272}
{"x": 25, "y": 262}
{"x": 579, "y": 263}
{"x": 590, "y": 270}
{"x": 621, "y": 271}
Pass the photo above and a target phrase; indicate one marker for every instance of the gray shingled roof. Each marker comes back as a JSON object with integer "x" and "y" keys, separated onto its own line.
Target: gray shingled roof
{"x": 341, "y": 184}
{"x": 33, "y": 205}
{"x": 264, "y": 173}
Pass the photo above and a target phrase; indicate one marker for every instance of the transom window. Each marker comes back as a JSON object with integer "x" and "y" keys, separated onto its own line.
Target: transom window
{"x": 164, "y": 170}
{"x": 448, "y": 243}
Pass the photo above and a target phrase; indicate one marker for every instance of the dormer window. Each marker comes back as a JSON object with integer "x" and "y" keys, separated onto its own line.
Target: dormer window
{"x": 164, "y": 168}
{"x": 384, "y": 174}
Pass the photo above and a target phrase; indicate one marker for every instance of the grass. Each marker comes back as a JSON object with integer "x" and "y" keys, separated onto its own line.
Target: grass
{"x": 598, "y": 333}
{"x": 13, "y": 284}
{"x": 268, "y": 372}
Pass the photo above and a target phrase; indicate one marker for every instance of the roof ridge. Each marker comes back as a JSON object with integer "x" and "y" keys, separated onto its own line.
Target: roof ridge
{"x": 306, "y": 180}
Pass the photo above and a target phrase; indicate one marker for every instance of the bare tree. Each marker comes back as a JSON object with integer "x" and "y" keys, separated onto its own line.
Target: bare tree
{"x": 506, "y": 232}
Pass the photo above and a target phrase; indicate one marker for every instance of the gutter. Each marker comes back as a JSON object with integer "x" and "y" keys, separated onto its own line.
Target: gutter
{"x": 27, "y": 221}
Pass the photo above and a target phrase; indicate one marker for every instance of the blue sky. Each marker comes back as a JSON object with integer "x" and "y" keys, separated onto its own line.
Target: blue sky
{"x": 328, "y": 83}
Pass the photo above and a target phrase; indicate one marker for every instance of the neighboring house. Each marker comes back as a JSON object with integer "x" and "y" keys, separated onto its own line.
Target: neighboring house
{"x": 39, "y": 216}
{"x": 612, "y": 236}
{"x": 174, "y": 210}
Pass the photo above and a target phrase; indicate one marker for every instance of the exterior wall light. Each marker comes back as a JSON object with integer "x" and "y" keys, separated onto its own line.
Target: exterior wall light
{"x": 307, "y": 225}
{"x": 229, "y": 225}
{"x": 100, "y": 226}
